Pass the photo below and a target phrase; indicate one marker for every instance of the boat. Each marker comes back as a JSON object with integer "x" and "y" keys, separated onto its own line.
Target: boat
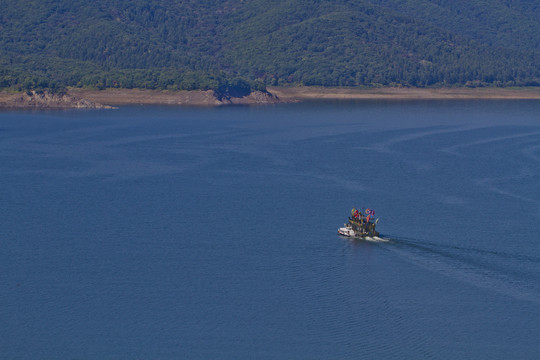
{"x": 360, "y": 225}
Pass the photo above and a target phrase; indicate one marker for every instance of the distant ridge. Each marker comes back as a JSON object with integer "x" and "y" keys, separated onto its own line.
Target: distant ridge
{"x": 236, "y": 47}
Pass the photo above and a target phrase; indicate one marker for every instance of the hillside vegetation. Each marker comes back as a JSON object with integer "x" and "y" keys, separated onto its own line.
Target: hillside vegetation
{"x": 233, "y": 45}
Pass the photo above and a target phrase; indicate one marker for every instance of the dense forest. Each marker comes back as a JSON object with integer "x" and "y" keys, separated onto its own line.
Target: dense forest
{"x": 234, "y": 45}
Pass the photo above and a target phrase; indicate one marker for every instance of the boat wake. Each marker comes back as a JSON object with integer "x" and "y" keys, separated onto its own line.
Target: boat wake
{"x": 514, "y": 275}
{"x": 376, "y": 239}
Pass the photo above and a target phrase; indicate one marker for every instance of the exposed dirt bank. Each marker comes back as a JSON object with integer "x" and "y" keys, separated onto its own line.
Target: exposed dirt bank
{"x": 314, "y": 93}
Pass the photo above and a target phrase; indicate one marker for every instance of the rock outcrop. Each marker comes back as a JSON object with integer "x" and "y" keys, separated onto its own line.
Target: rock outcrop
{"x": 47, "y": 100}
{"x": 255, "y": 97}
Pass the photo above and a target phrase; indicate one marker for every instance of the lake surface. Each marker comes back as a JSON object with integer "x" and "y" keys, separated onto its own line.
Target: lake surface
{"x": 194, "y": 233}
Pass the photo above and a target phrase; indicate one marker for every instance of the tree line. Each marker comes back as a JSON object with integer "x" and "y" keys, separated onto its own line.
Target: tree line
{"x": 226, "y": 44}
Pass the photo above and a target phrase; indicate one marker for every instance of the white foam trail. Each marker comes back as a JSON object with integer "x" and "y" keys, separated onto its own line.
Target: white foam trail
{"x": 385, "y": 146}
{"x": 454, "y": 149}
{"x": 488, "y": 184}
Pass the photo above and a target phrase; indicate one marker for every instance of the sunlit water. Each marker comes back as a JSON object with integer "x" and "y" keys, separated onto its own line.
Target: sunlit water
{"x": 192, "y": 233}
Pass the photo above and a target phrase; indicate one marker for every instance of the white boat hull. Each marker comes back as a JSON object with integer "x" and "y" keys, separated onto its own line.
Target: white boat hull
{"x": 348, "y": 232}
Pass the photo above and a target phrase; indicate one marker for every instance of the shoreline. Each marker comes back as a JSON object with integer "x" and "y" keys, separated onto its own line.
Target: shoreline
{"x": 320, "y": 93}
{"x": 86, "y": 99}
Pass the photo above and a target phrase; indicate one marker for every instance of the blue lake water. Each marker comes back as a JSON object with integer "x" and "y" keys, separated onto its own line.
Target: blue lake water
{"x": 195, "y": 233}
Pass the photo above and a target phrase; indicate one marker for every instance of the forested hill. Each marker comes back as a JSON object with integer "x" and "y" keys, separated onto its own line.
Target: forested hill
{"x": 234, "y": 45}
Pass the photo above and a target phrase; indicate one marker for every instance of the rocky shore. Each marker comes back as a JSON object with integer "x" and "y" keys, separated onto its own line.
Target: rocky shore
{"x": 47, "y": 100}
{"x": 118, "y": 97}
{"x": 110, "y": 98}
